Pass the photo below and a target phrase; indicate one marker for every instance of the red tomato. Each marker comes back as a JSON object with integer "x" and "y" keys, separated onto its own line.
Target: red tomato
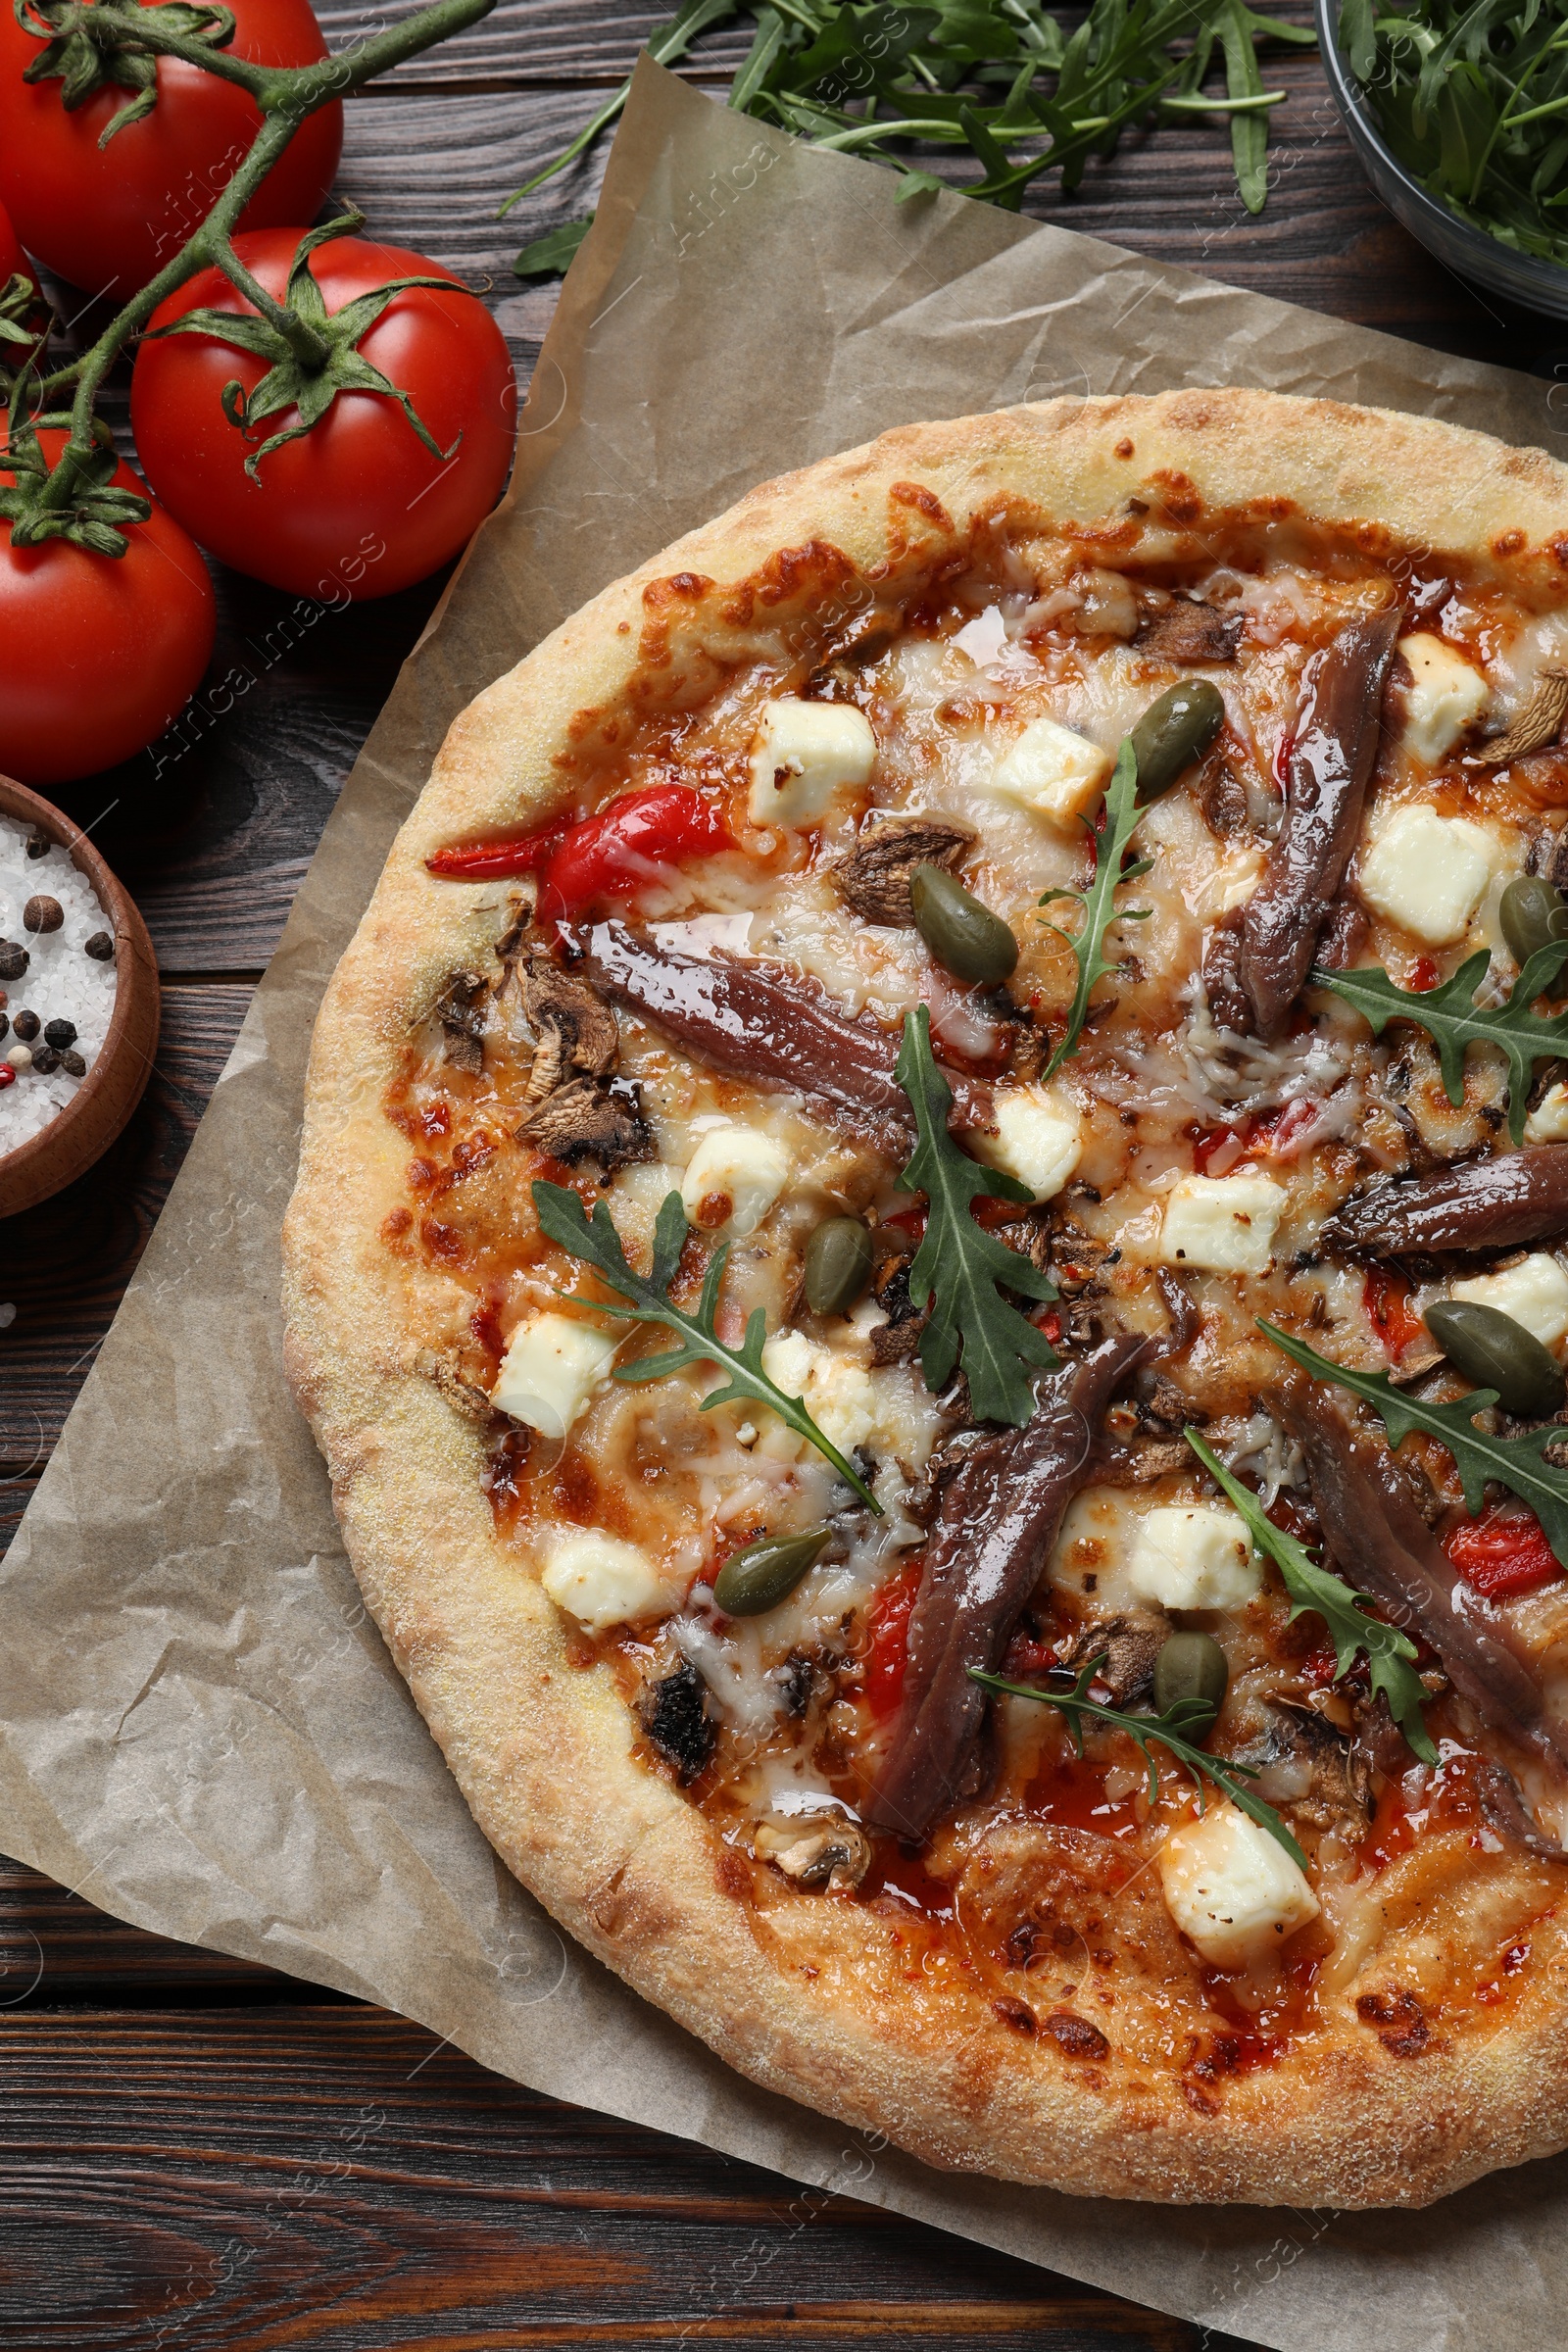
{"x": 12, "y": 258}
{"x": 1502, "y": 1554}
{"x": 359, "y": 506}
{"x": 108, "y": 219}
{"x": 888, "y": 1654}
{"x": 97, "y": 652}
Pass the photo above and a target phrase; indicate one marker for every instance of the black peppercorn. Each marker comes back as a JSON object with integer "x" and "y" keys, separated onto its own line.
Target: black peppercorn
{"x": 42, "y": 913}
{"x": 14, "y": 960}
{"x": 73, "y": 1066}
{"x": 5, "y": 1023}
{"x": 38, "y": 843}
{"x": 27, "y": 1025}
{"x": 45, "y": 1060}
{"x": 59, "y": 1034}
{"x": 100, "y": 947}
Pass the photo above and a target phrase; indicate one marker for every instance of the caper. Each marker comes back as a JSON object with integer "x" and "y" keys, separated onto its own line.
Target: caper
{"x": 1495, "y": 1352}
{"x": 964, "y": 937}
{"x": 1191, "y": 1666}
{"x": 839, "y": 1257}
{"x": 1532, "y": 914}
{"x": 758, "y": 1579}
{"x": 1175, "y": 731}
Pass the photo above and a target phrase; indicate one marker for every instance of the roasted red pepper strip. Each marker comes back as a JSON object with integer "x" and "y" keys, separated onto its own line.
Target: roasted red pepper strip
{"x": 1502, "y": 1554}
{"x": 612, "y": 853}
{"x": 493, "y": 861}
{"x": 887, "y": 1652}
{"x": 608, "y": 856}
{"x": 1387, "y": 1300}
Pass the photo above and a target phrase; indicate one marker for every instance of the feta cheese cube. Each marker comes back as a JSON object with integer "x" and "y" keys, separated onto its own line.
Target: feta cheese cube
{"x": 1232, "y": 1889}
{"x": 1426, "y": 873}
{"x": 1534, "y": 1293}
{"x": 839, "y": 1395}
{"x": 1224, "y": 1223}
{"x": 602, "y": 1580}
{"x": 549, "y": 1371}
{"x": 733, "y": 1179}
{"x": 1038, "y": 1138}
{"x": 1446, "y": 692}
{"x": 1547, "y": 1123}
{"x": 1194, "y": 1559}
{"x": 1053, "y": 772}
{"x": 802, "y": 754}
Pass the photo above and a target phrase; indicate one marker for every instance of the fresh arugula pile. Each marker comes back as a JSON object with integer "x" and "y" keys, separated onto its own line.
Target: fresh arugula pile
{"x": 1099, "y": 901}
{"x": 1388, "y": 1652}
{"x": 1472, "y": 97}
{"x": 1518, "y": 1463}
{"x": 1455, "y": 1022}
{"x": 598, "y": 1244}
{"x": 1002, "y": 78}
{"x": 1170, "y": 1730}
{"x": 960, "y": 1267}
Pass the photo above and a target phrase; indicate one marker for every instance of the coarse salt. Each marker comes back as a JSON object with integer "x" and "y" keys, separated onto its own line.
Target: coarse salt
{"x": 62, "y": 981}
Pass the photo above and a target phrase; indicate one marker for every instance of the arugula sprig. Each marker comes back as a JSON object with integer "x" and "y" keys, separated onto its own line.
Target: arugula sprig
{"x": 1344, "y": 1610}
{"x": 958, "y": 1264}
{"x": 1002, "y": 79}
{"x": 598, "y": 1244}
{"x": 1171, "y": 1731}
{"x": 1518, "y": 1463}
{"x": 1456, "y": 1023}
{"x": 1099, "y": 901}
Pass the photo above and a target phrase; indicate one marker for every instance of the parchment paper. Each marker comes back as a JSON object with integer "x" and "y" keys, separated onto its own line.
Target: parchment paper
{"x": 201, "y": 1731}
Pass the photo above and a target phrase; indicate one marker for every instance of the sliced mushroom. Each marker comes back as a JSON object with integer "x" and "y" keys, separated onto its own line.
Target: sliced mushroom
{"x": 562, "y": 1005}
{"x": 1129, "y": 1644}
{"x": 874, "y": 877}
{"x": 592, "y": 1118}
{"x": 466, "y": 1395}
{"x": 832, "y": 1855}
{"x": 1309, "y": 1765}
{"x": 461, "y": 1012}
{"x": 1186, "y": 631}
{"x": 1539, "y": 723}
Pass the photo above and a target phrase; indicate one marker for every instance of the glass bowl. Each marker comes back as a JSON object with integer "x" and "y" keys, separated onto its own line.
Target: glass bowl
{"x": 1536, "y": 285}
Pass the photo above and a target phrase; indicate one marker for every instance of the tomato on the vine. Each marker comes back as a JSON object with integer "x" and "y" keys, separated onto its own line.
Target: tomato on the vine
{"x": 97, "y": 652}
{"x": 109, "y": 217}
{"x": 360, "y": 505}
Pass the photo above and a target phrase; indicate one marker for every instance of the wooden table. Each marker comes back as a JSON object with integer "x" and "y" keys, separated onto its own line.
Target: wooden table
{"x": 200, "y": 2153}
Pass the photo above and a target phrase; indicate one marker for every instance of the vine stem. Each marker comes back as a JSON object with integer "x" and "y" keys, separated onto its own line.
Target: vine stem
{"x": 286, "y": 96}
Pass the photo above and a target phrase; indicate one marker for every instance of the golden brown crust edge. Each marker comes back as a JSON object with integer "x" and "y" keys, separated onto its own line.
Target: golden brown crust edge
{"x": 543, "y": 1752}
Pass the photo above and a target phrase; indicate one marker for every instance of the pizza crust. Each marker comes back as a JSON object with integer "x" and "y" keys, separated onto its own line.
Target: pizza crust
{"x": 543, "y": 1748}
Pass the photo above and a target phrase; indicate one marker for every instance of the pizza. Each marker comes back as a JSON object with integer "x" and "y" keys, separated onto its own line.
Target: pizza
{"x": 931, "y": 1258}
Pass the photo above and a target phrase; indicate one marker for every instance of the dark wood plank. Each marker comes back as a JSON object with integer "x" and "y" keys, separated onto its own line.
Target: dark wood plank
{"x": 523, "y": 43}
{"x": 336, "y": 2179}
{"x": 67, "y": 1260}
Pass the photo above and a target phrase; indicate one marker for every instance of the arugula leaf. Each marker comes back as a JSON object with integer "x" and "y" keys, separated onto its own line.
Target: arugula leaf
{"x": 555, "y": 251}
{"x": 599, "y": 1245}
{"x": 1170, "y": 1729}
{"x": 1454, "y": 1022}
{"x": 1343, "y": 1610}
{"x": 1518, "y": 1463}
{"x": 958, "y": 1264}
{"x": 977, "y": 75}
{"x": 1099, "y": 901}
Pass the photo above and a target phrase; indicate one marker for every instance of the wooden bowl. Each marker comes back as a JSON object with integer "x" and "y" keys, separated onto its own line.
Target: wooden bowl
{"x": 112, "y": 1089}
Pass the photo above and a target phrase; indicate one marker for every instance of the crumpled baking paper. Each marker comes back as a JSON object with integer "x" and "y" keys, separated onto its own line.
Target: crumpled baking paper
{"x": 203, "y": 1733}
